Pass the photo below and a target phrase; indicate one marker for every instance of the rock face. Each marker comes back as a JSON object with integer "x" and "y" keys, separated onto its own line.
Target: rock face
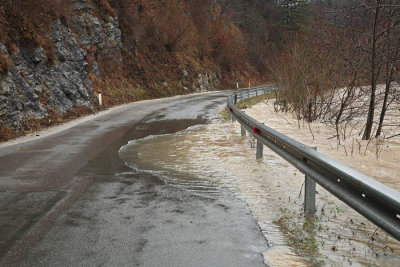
{"x": 37, "y": 84}
{"x": 207, "y": 81}
{"x": 200, "y": 82}
{"x": 34, "y": 84}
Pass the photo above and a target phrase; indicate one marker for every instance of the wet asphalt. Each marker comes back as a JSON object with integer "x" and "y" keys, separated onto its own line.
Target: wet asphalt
{"x": 69, "y": 200}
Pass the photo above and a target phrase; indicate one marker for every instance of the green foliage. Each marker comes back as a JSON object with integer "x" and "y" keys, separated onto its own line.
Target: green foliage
{"x": 295, "y": 13}
{"x": 225, "y": 115}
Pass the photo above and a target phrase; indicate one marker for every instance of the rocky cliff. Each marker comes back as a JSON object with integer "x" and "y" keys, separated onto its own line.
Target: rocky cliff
{"x": 56, "y": 56}
{"x": 35, "y": 85}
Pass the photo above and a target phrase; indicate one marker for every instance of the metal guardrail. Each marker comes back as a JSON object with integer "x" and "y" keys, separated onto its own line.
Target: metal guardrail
{"x": 372, "y": 199}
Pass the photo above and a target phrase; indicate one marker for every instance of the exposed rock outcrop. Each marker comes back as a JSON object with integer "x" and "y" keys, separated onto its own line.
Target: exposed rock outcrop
{"x": 34, "y": 85}
{"x": 207, "y": 81}
{"x": 44, "y": 81}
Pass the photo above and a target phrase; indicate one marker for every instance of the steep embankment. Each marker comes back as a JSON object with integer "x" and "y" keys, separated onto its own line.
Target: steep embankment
{"x": 40, "y": 85}
{"x": 55, "y": 57}
{"x": 35, "y": 87}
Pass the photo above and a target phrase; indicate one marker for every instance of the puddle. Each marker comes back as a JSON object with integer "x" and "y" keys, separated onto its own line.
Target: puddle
{"x": 209, "y": 158}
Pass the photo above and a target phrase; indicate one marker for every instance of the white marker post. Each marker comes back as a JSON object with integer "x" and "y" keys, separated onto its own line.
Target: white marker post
{"x": 100, "y": 100}
{"x": 237, "y": 85}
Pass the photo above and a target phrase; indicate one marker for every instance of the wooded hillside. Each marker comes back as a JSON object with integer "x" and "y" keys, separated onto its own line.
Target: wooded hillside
{"x": 55, "y": 56}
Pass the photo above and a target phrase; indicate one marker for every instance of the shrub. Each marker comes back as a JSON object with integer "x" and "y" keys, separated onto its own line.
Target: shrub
{"x": 306, "y": 72}
{"x": 27, "y": 22}
{"x": 5, "y": 64}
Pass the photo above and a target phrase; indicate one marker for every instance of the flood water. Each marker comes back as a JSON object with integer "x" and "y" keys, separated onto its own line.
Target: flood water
{"x": 209, "y": 159}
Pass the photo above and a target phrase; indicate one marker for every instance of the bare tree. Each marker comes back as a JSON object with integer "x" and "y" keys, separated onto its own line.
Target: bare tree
{"x": 391, "y": 38}
{"x": 371, "y": 30}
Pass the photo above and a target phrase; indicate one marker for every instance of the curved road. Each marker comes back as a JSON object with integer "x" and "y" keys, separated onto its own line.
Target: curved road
{"x": 68, "y": 200}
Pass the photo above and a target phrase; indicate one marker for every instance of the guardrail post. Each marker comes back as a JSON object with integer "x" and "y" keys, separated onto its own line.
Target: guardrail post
{"x": 242, "y": 131}
{"x": 309, "y": 194}
{"x": 235, "y": 99}
{"x": 248, "y": 93}
{"x": 259, "y": 151}
{"x": 256, "y": 91}
{"x": 360, "y": 192}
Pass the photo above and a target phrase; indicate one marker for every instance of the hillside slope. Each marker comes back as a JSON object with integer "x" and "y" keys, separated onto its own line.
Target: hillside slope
{"x": 55, "y": 57}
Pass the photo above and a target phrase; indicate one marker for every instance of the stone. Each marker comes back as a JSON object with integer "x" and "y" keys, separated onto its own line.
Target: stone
{"x": 32, "y": 85}
{"x": 38, "y": 55}
{"x": 82, "y": 5}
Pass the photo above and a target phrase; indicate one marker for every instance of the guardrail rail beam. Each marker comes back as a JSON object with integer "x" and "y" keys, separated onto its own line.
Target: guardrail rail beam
{"x": 375, "y": 201}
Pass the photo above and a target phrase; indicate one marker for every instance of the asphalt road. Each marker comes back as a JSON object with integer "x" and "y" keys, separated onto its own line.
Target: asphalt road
{"x": 69, "y": 200}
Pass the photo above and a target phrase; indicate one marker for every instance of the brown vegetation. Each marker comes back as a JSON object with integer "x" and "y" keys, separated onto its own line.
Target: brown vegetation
{"x": 164, "y": 34}
{"x": 5, "y": 64}
{"x": 117, "y": 90}
{"x": 33, "y": 125}
{"x": 348, "y": 45}
{"x": 162, "y": 41}
{"x": 203, "y": 35}
{"x": 26, "y": 22}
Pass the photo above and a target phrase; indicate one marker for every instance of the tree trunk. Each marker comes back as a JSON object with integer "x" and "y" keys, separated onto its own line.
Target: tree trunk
{"x": 389, "y": 79}
{"x": 343, "y": 105}
{"x": 374, "y": 77}
{"x": 371, "y": 111}
{"x": 383, "y": 111}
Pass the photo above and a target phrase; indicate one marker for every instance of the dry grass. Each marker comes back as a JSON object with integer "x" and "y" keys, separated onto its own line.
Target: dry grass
{"x": 117, "y": 90}
{"x": 31, "y": 125}
{"x": 255, "y": 100}
{"x": 152, "y": 64}
{"x": 5, "y": 64}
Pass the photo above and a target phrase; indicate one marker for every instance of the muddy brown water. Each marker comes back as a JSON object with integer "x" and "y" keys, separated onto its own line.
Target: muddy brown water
{"x": 113, "y": 215}
{"x": 206, "y": 159}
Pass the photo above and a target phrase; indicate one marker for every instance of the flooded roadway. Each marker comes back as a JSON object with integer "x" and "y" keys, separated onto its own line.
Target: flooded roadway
{"x": 209, "y": 159}
{"x": 69, "y": 199}
{"x": 168, "y": 188}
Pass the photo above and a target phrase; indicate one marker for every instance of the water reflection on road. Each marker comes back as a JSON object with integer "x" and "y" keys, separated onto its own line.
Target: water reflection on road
{"x": 209, "y": 158}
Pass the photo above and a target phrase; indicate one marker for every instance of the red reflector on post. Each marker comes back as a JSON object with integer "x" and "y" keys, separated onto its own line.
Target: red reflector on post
{"x": 256, "y": 130}
{"x": 230, "y": 109}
